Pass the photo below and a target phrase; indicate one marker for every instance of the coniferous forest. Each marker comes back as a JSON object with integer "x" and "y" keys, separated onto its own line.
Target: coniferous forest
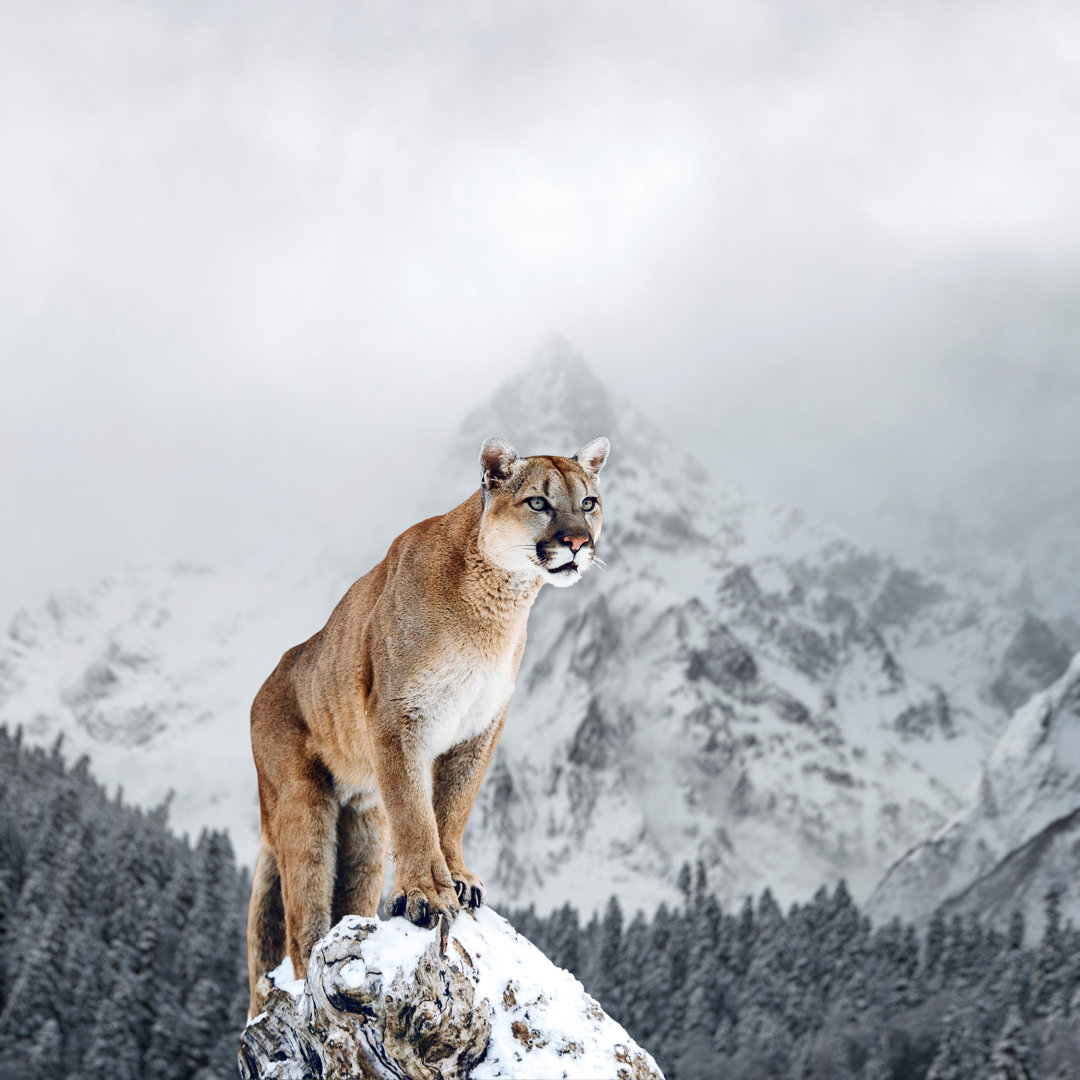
{"x": 122, "y": 957}
{"x": 121, "y": 946}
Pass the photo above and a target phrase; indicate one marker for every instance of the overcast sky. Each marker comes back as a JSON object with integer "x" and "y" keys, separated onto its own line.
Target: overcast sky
{"x": 248, "y": 251}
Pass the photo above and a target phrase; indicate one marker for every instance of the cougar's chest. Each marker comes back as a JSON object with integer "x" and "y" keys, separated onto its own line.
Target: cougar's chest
{"x": 457, "y": 700}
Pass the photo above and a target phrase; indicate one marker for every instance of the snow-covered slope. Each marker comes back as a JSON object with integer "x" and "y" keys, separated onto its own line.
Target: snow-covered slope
{"x": 151, "y": 673}
{"x": 1019, "y": 832}
{"x": 741, "y": 685}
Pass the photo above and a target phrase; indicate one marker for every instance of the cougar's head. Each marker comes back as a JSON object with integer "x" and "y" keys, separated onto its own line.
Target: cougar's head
{"x": 541, "y": 515}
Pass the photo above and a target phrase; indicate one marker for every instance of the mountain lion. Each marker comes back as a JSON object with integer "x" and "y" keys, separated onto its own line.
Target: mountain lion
{"x": 386, "y": 719}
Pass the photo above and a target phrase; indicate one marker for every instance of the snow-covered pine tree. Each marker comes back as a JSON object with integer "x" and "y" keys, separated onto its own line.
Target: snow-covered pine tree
{"x": 33, "y": 999}
{"x": 609, "y": 953}
{"x": 114, "y": 1052}
{"x": 878, "y": 1065}
{"x": 634, "y": 964}
{"x": 566, "y": 938}
{"x": 655, "y": 983}
{"x": 956, "y": 1057}
{"x": 702, "y": 1006}
{"x": 164, "y": 1058}
{"x": 1011, "y": 1058}
{"x": 45, "y": 1061}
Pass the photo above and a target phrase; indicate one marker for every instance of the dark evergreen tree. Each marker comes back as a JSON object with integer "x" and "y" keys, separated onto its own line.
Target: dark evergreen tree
{"x": 905, "y": 991}
{"x": 933, "y": 952}
{"x": 657, "y": 981}
{"x": 1016, "y": 929}
{"x": 702, "y": 1006}
{"x": 684, "y": 882}
{"x": 701, "y": 885}
{"x": 609, "y": 951}
{"x": 1048, "y": 991}
{"x": 637, "y": 957}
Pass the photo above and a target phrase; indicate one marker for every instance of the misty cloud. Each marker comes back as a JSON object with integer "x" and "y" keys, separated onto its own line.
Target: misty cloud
{"x": 251, "y": 257}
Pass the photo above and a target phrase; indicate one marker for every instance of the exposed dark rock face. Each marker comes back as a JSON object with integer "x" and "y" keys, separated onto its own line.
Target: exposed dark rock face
{"x": 593, "y": 743}
{"x": 808, "y": 650}
{"x": 726, "y": 661}
{"x": 905, "y": 594}
{"x": 921, "y": 720}
{"x": 1036, "y": 656}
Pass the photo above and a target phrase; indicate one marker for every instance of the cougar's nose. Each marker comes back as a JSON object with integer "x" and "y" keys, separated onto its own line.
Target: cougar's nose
{"x": 573, "y": 542}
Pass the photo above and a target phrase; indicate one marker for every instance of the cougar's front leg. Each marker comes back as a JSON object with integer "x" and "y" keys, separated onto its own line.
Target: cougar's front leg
{"x": 458, "y": 775}
{"x": 423, "y": 888}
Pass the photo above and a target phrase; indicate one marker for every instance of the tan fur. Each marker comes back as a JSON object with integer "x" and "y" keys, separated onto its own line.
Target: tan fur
{"x": 381, "y": 726}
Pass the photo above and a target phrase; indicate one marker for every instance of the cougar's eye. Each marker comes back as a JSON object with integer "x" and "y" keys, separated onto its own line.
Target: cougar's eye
{"x": 537, "y": 503}
{"x": 588, "y": 504}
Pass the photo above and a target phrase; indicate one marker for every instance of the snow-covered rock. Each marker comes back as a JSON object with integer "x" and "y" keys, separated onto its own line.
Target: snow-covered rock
{"x": 1019, "y": 832}
{"x": 387, "y": 999}
{"x": 742, "y": 685}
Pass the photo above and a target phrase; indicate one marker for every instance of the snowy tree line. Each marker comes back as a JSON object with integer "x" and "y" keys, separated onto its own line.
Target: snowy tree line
{"x": 819, "y": 994}
{"x": 122, "y": 957}
{"x": 121, "y": 946}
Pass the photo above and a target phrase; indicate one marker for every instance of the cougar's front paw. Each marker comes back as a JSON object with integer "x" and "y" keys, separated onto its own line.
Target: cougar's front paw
{"x": 471, "y": 892}
{"x": 423, "y": 899}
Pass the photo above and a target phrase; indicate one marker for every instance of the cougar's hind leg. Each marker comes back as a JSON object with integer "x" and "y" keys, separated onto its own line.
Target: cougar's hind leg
{"x": 361, "y": 858}
{"x": 266, "y": 924}
{"x": 299, "y": 812}
{"x": 305, "y": 841}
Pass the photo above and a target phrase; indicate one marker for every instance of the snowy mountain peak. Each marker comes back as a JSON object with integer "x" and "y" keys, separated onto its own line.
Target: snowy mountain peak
{"x": 555, "y": 405}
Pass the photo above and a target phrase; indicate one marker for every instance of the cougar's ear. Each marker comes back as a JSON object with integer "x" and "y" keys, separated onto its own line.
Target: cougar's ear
{"x": 591, "y": 456}
{"x": 497, "y": 458}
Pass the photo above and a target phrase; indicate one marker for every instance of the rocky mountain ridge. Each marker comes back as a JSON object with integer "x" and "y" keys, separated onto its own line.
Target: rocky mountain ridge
{"x": 1019, "y": 831}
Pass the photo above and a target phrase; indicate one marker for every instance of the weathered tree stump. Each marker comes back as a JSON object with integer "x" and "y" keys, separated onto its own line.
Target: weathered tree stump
{"x": 388, "y": 1000}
